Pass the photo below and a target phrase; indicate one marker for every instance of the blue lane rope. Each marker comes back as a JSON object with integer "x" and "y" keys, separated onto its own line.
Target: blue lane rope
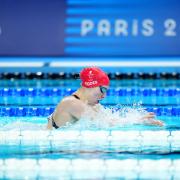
{"x": 26, "y": 111}
{"x": 45, "y": 111}
{"x": 32, "y": 92}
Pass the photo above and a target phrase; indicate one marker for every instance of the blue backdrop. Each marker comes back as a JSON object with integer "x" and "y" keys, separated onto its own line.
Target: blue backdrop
{"x": 89, "y": 28}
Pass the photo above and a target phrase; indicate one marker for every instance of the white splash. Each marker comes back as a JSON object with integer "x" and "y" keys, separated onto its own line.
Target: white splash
{"x": 108, "y": 117}
{"x": 19, "y": 125}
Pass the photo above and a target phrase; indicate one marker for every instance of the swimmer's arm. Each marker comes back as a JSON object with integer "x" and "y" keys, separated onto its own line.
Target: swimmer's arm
{"x": 76, "y": 109}
{"x": 61, "y": 114}
{"x": 62, "y": 119}
{"x": 149, "y": 119}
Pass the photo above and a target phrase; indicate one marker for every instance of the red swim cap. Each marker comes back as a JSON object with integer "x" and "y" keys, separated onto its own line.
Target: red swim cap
{"x": 93, "y": 77}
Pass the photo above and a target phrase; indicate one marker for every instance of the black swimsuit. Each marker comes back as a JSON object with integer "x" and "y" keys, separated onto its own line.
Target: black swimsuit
{"x": 51, "y": 116}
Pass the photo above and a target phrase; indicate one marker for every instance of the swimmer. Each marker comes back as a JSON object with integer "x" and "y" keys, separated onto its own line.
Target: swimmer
{"x": 94, "y": 86}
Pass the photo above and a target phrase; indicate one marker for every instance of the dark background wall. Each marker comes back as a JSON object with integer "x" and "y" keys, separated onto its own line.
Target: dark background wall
{"x": 89, "y": 28}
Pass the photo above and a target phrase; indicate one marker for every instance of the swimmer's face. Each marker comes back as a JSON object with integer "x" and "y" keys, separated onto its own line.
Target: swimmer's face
{"x": 96, "y": 94}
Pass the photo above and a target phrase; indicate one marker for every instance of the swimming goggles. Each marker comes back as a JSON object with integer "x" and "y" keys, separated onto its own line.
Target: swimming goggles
{"x": 103, "y": 89}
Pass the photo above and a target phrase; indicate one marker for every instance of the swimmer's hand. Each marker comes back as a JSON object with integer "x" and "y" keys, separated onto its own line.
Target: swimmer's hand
{"x": 149, "y": 119}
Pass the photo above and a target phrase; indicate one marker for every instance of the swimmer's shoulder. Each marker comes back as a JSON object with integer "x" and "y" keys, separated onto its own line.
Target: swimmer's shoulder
{"x": 72, "y": 105}
{"x": 70, "y": 101}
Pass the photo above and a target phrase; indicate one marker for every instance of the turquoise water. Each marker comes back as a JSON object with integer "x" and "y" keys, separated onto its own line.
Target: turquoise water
{"x": 133, "y": 149}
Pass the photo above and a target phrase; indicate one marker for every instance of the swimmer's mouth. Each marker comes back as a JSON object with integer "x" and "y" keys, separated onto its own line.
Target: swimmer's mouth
{"x": 97, "y": 102}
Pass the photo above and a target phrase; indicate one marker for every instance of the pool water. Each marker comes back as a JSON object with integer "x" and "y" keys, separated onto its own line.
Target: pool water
{"x": 89, "y": 151}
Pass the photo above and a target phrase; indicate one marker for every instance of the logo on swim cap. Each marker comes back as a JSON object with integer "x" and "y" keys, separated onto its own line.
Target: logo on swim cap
{"x": 91, "y": 83}
{"x": 93, "y": 77}
{"x": 90, "y": 75}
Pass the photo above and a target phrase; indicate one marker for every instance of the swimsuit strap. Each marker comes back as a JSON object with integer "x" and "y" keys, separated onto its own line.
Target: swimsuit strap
{"x": 77, "y": 97}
